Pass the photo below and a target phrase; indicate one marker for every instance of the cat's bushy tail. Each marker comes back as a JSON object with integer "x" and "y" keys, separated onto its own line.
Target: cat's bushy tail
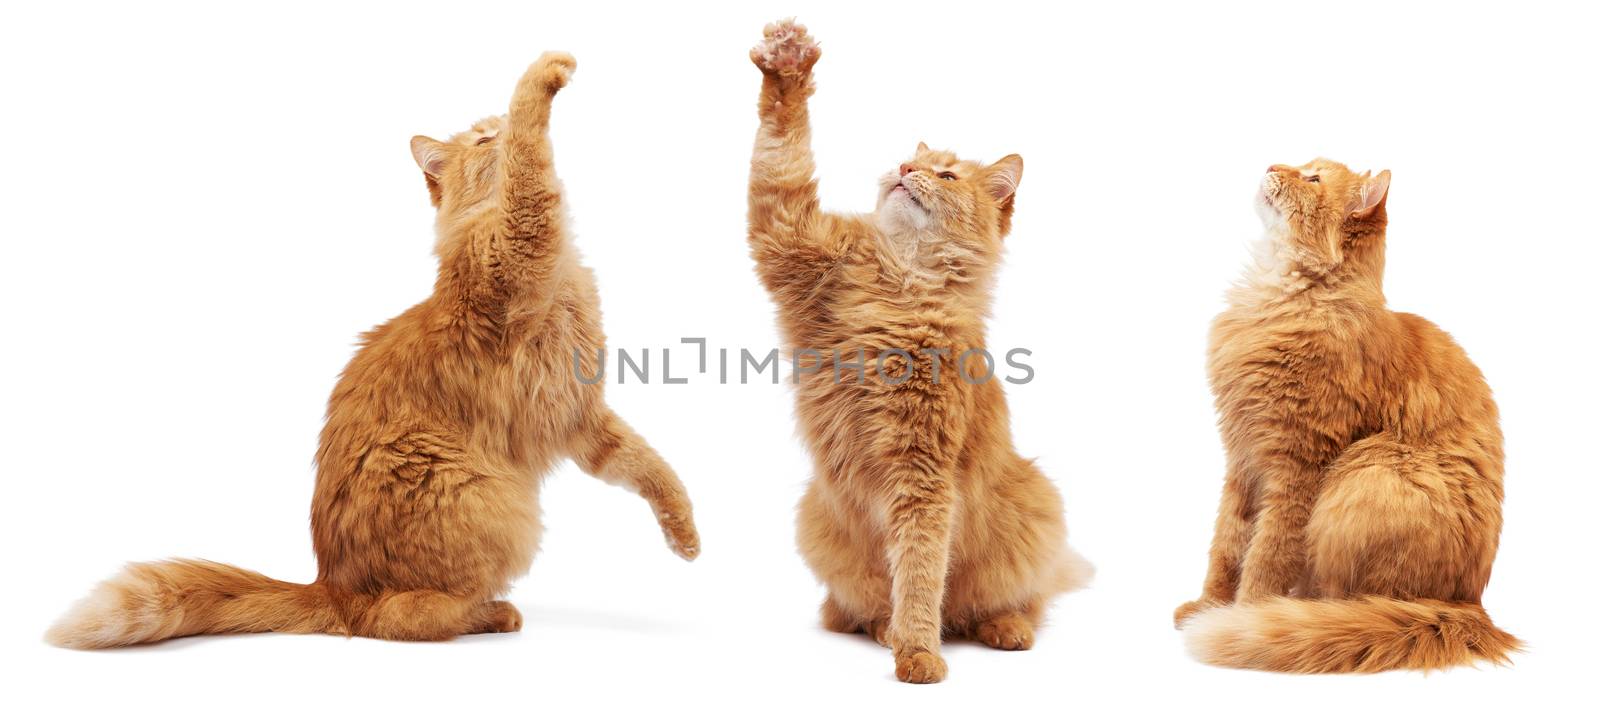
{"x": 152, "y": 601}
{"x": 1361, "y": 635}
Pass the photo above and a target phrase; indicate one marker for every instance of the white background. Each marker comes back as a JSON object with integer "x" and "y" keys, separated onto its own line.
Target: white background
{"x": 203, "y": 207}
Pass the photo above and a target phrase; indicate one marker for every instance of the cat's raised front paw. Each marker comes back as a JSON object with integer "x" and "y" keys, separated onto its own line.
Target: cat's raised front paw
{"x": 553, "y": 70}
{"x": 785, "y": 49}
{"x": 680, "y": 532}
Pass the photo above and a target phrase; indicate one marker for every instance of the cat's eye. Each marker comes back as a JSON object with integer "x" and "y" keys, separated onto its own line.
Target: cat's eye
{"x": 948, "y": 176}
{"x": 1313, "y": 179}
{"x": 485, "y": 140}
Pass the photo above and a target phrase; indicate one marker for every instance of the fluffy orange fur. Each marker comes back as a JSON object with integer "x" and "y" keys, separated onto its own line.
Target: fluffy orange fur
{"x": 921, "y": 519}
{"x": 1361, "y": 509}
{"x": 439, "y": 430}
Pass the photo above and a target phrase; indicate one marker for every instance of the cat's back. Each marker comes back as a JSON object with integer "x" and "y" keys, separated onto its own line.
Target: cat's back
{"x": 1439, "y": 366}
{"x": 1432, "y": 346}
{"x": 387, "y": 380}
{"x": 442, "y": 363}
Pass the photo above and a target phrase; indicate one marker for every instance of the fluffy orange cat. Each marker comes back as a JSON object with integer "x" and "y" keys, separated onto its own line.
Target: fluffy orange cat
{"x": 921, "y": 519}
{"x": 439, "y": 430}
{"x": 1361, "y": 509}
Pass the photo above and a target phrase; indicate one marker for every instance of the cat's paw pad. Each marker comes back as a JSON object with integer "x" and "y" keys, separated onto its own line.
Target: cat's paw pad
{"x": 785, "y": 49}
{"x": 919, "y": 667}
{"x": 554, "y": 70}
{"x": 1006, "y": 632}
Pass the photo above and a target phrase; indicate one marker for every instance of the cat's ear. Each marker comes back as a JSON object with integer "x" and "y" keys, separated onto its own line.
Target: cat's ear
{"x": 1374, "y": 191}
{"x": 1002, "y": 176}
{"x": 922, "y": 147}
{"x": 429, "y": 154}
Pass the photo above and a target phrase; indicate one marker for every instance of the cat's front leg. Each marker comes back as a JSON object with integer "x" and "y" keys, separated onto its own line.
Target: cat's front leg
{"x": 530, "y": 104}
{"x": 784, "y": 209}
{"x": 1276, "y": 558}
{"x": 526, "y": 241}
{"x": 919, "y": 557}
{"x": 792, "y": 240}
{"x": 785, "y": 56}
{"x": 606, "y": 447}
{"x": 782, "y": 164}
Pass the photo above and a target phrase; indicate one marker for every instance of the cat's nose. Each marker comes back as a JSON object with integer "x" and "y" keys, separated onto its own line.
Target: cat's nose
{"x": 906, "y": 168}
{"x": 1278, "y": 168}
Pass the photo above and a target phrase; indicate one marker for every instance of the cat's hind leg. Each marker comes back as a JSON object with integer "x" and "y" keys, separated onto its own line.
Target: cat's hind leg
{"x": 497, "y": 616}
{"x": 1010, "y": 630}
{"x": 1401, "y": 521}
{"x": 431, "y": 615}
{"x": 1399, "y": 545}
{"x": 1013, "y": 559}
{"x": 839, "y": 554}
{"x": 839, "y": 620}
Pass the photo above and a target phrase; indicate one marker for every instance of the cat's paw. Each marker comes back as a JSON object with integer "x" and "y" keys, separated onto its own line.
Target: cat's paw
{"x": 919, "y": 666}
{"x": 835, "y": 618}
{"x": 1191, "y": 609}
{"x": 785, "y": 50}
{"x": 681, "y": 534}
{"x": 500, "y": 616}
{"x": 1008, "y": 631}
{"x": 877, "y": 630}
{"x": 553, "y": 70}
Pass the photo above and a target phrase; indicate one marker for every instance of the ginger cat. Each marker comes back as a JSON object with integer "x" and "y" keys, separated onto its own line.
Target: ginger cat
{"x": 921, "y": 520}
{"x": 439, "y": 430}
{"x": 1361, "y": 509}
